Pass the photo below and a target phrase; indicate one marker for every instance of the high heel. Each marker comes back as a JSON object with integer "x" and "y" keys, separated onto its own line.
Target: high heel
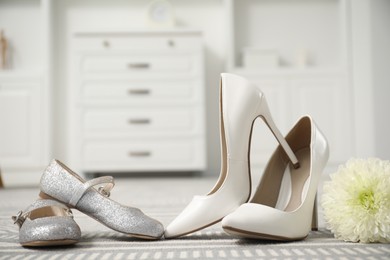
{"x": 314, "y": 220}
{"x": 240, "y": 104}
{"x": 283, "y": 205}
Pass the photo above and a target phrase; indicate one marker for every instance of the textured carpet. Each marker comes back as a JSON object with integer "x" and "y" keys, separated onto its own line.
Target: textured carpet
{"x": 164, "y": 198}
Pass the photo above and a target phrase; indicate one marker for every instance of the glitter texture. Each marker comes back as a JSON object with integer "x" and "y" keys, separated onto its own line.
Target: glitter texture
{"x": 61, "y": 183}
{"x": 48, "y": 230}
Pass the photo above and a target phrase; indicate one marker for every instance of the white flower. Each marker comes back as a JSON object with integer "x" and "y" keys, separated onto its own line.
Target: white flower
{"x": 356, "y": 201}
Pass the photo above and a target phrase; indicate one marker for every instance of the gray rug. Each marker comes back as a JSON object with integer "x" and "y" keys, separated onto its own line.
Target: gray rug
{"x": 164, "y": 198}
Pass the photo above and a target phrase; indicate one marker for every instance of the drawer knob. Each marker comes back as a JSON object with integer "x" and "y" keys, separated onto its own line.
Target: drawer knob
{"x": 138, "y": 91}
{"x": 106, "y": 44}
{"x": 140, "y": 154}
{"x": 139, "y": 121}
{"x": 140, "y": 65}
{"x": 171, "y": 43}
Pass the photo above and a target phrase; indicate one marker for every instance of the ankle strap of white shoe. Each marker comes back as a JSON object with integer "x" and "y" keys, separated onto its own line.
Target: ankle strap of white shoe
{"x": 104, "y": 190}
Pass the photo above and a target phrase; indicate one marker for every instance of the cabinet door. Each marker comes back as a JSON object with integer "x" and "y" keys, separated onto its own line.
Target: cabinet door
{"x": 289, "y": 98}
{"x": 327, "y": 102}
{"x": 20, "y": 124}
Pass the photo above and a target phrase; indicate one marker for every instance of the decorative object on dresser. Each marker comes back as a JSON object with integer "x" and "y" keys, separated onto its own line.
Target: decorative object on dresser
{"x": 3, "y": 50}
{"x": 137, "y": 101}
{"x": 260, "y": 58}
{"x": 160, "y": 14}
{"x": 1, "y": 180}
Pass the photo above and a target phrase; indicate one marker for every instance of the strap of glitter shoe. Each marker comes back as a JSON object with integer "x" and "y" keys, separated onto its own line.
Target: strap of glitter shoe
{"x": 104, "y": 190}
{"x": 48, "y": 211}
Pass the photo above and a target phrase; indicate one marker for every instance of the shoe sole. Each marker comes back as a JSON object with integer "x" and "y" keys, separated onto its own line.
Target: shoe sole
{"x": 192, "y": 231}
{"x": 255, "y": 235}
{"x": 40, "y": 243}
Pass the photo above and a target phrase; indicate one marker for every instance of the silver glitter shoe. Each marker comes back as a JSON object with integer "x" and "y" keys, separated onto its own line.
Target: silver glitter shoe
{"x": 47, "y": 223}
{"x": 61, "y": 183}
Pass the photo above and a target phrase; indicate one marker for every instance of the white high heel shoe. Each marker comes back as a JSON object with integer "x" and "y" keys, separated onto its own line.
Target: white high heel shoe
{"x": 282, "y": 208}
{"x": 240, "y": 104}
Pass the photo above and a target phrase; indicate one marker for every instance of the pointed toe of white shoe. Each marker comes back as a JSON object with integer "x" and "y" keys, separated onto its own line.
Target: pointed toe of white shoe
{"x": 194, "y": 217}
{"x": 188, "y": 221}
{"x": 204, "y": 211}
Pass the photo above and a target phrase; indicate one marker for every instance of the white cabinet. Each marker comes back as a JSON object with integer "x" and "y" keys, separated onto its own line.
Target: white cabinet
{"x": 25, "y": 134}
{"x": 308, "y": 72}
{"x": 324, "y": 68}
{"x": 137, "y": 102}
{"x": 320, "y": 95}
{"x": 21, "y": 122}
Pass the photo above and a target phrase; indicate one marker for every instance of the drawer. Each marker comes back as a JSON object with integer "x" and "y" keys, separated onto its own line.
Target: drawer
{"x": 144, "y": 155}
{"x": 143, "y": 121}
{"x": 137, "y": 42}
{"x": 141, "y": 91}
{"x": 138, "y": 64}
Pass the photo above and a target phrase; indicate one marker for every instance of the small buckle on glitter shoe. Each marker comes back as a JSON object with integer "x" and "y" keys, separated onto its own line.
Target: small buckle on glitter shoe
{"x": 103, "y": 191}
{"x": 69, "y": 212}
{"x": 19, "y": 218}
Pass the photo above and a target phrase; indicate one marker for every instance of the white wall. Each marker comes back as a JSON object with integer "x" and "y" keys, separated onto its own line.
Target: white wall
{"x": 370, "y": 30}
{"x": 380, "y": 28}
{"x": 286, "y": 26}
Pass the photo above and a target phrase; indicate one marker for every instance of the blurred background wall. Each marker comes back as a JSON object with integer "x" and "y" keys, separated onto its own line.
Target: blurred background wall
{"x": 350, "y": 39}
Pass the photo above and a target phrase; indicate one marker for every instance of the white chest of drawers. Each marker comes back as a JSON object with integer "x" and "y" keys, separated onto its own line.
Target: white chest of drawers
{"x": 137, "y": 102}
